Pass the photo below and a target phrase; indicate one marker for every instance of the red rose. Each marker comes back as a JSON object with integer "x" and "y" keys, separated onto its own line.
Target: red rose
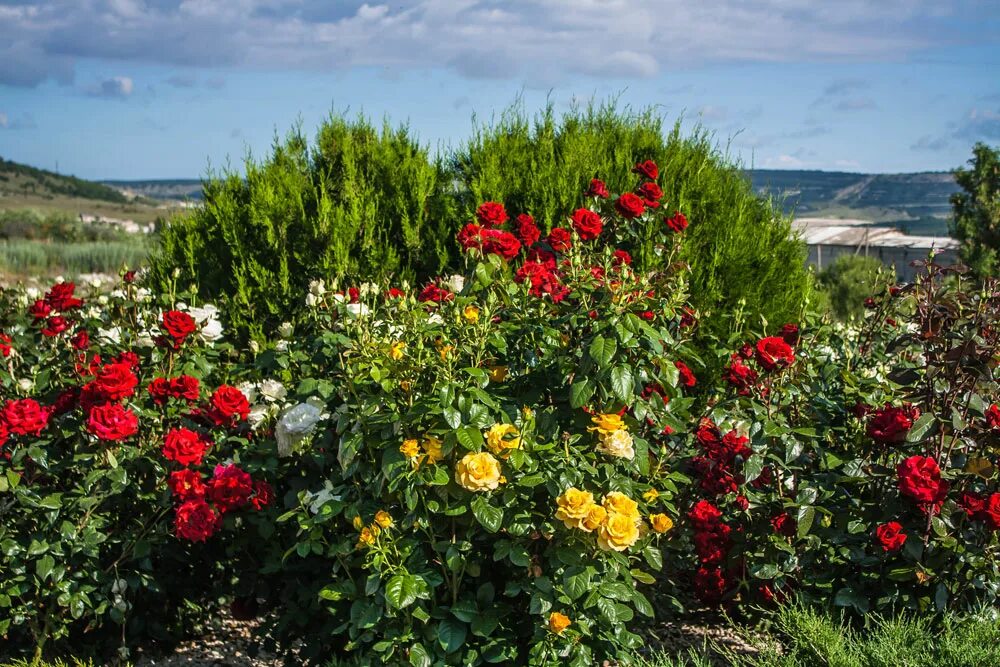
{"x": 711, "y": 544}
{"x": 687, "y": 378}
{"x": 491, "y": 214}
{"x": 790, "y": 334}
{"x": 470, "y": 236}
{"x": 704, "y": 515}
{"x": 228, "y": 405}
{"x": 993, "y": 417}
{"x": 587, "y": 224}
{"x": 112, "y": 422}
{"x": 263, "y": 494}
{"x": 80, "y": 340}
{"x": 178, "y": 325}
{"x": 541, "y": 279}
{"x": 116, "y": 381}
{"x": 25, "y": 416}
{"x": 688, "y": 318}
{"x": 527, "y": 230}
{"x": 741, "y": 502}
{"x": 621, "y": 257}
{"x": 229, "y": 488}
{"x": 195, "y": 521}
{"x": 890, "y": 536}
{"x": 60, "y": 297}
{"x": 973, "y": 504}
{"x": 597, "y": 189}
{"x": 159, "y": 390}
{"x": 184, "y": 446}
{"x": 739, "y": 375}
{"x": 55, "y": 325}
{"x": 709, "y": 584}
{"x": 186, "y": 387}
{"x": 647, "y": 169}
{"x": 630, "y": 206}
{"x": 560, "y": 240}
{"x": 678, "y": 223}
{"x": 186, "y": 484}
{"x": 128, "y": 277}
{"x": 920, "y": 480}
{"x": 66, "y": 401}
{"x": 783, "y": 524}
{"x": 650, "y": 194}
{"x": 353, "y": 295}
{"x": 773, "y": 352}
{"x": 543, "y": 257}
{"x": 434, "y": 294}
{"x": 4, "y": 434}
{"x": 498, "y": 242}
{"x": 889, "y": 425}
{"x": 5, "y": 347}
{"x": 395, "y": 293}
{"x": 648, "y": 315}
{"x": 991, "y": 512}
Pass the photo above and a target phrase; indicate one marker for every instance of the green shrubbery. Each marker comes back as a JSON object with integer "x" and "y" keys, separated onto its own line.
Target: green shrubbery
{"x": 845, "y": 284}
{"x": 362, "y": 204}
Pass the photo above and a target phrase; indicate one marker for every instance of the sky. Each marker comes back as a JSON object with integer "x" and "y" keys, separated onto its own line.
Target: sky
{"x": 142, "y": 89}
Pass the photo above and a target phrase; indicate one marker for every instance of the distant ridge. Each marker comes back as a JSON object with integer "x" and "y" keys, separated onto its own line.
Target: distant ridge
{"x": 21, "y": 180}
{"x": 917, "y": 203}
{"x": 169, "y": 188}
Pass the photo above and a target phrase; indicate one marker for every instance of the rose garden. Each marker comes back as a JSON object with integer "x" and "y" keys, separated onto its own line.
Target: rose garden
{"x": 524, "y": 460}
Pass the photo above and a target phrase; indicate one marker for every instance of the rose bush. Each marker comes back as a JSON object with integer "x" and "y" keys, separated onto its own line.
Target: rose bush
{"x": 514, "y": 465}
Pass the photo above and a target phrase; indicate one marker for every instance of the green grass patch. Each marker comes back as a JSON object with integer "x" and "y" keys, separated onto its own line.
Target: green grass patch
{"x": 23, "y": 258}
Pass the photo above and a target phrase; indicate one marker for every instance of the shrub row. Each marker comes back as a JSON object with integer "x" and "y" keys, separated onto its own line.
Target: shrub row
{"x": 516, "y": 464}
{"x": 368, "y": 204}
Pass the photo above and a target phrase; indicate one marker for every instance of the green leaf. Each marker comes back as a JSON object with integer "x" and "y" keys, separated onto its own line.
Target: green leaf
{"x": 849, "y": 597}
{"x": 575, "y": 585}
{"x": 401, "y": 591}
{"x": 452, "y": 417}
{"x": 602, "y": 351}
{"x": 580, "y": 393}
{"x": 753, "y": 467}
{"x": 44, "y": 566}
{"x": 805, "y": 517}
{"x": 490, "y": 517}
{"x": 922, "y": 428}
{"x": 654, "y": 557}
{"x": 418, "y": 654}
{"x": 451, "y": 634}
{"x": 470, "y": 437}
{"x": 607, "y": 609}
{"x": 621, "y": 383}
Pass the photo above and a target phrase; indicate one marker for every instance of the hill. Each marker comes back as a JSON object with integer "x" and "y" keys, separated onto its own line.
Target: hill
{"x": 179, "y": 189}
{"x": 23, "y": 187}
{"x": 917, "y": 203}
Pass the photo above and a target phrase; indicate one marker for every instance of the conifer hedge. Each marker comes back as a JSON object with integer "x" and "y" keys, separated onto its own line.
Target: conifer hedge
{"x": 364, "y": 203}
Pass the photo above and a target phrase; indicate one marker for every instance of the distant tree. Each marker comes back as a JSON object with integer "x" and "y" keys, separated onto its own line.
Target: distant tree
{"x": 976, "y": 221}
{"x": 845, "y": 284}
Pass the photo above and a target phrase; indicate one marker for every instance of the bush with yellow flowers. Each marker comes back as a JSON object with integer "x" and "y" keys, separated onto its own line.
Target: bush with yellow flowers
{"x": 498, "y": 484}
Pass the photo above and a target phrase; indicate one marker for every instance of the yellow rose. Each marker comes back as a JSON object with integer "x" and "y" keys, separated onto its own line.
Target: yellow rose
{"x": 358, "y": 523}
{"x": 478, "y": 472}
{"x": 367, "y": 537}
{"x": 498, "y": 442}
{"x": 619, "y": 503}
{"x": 444, "y": 350}
{"x": 558, "y": 622}
{"x": 661, "y": 522}
{"x": 405, "y": 385}
{"x": 651, "y": 495}
{"x": 432, "y": 447}
{"x": 608, "y": 423}
{"x": 595, "y": 517}
{"x": 471, "y": 314}
{"x": 527, "y": 413}
{"x": 618, "y": 532}
{"x": 574, "y": 507}
{"x": 617, "y": 444}
{"x": 383, "y": 519}
{"x": 497, "y": 373}
{"x": 397, "y": 351}
{"x": 410, "y": 448}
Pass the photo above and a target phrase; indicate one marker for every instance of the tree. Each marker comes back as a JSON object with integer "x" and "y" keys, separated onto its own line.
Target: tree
{"x": 976, "y": 210}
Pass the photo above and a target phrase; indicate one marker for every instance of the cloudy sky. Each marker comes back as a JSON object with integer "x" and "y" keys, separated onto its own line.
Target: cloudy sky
{"x": 163, "y": 88}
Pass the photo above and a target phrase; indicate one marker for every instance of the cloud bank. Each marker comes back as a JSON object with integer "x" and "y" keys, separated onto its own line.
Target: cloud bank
{"x": 540, "y": 41}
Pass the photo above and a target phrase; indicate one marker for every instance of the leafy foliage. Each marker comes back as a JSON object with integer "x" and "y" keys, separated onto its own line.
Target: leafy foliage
{"x": 850, "y": 280}
{"x": 977, "y": 211}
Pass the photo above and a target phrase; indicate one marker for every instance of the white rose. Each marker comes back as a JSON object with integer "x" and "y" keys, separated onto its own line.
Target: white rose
{"x": 25, "y": 385}
{"x": 248, "y": 389}
{"x": 114, "y": 334}
{"x": 317, "y": 288}
{"x": 280, "y": 346}
{"x": 455, "y": 283}
{"x": 286, "y": 330}
{"x": 296, "y": 424}
{"x": 312, "y": 300}
{"x": 357, "y": 309}
{"x": 272, "y": 390}
{"x": 617, "y": 443}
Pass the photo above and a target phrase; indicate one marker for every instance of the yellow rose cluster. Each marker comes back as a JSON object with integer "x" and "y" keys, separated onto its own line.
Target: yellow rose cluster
{"x": 428, "y": 451}
{"x": 616, "y": 519}
{"x": 368, "y": 535}
{"x": 478, "y": 472}
{"x": 502, "y": 438}
{"x": 613, "y": 436}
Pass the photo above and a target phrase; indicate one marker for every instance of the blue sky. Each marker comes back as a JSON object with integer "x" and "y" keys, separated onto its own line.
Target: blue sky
{"x": 163, "y": 88}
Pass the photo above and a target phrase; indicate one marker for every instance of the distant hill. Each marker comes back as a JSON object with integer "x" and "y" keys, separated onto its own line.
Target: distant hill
{"x": 20, "y": 179}
{"x": 917, "y": 203}
{"x": 170, "y": 189}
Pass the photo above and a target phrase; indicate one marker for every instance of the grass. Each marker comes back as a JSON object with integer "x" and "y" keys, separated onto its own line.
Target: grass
{"x": 803, "y": 637}
{"x": 23, "y": 258}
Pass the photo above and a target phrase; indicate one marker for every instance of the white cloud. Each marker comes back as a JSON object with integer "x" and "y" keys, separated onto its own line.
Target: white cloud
{"x": 536, "y": 40}
{"x": 117, "y": 87}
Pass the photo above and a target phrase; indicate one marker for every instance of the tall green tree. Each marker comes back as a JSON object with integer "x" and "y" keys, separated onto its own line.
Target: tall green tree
{"x": 976, "y": 221}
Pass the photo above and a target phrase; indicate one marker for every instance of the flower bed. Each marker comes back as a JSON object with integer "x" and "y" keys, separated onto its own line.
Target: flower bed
{"x": 515, "y": 465}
